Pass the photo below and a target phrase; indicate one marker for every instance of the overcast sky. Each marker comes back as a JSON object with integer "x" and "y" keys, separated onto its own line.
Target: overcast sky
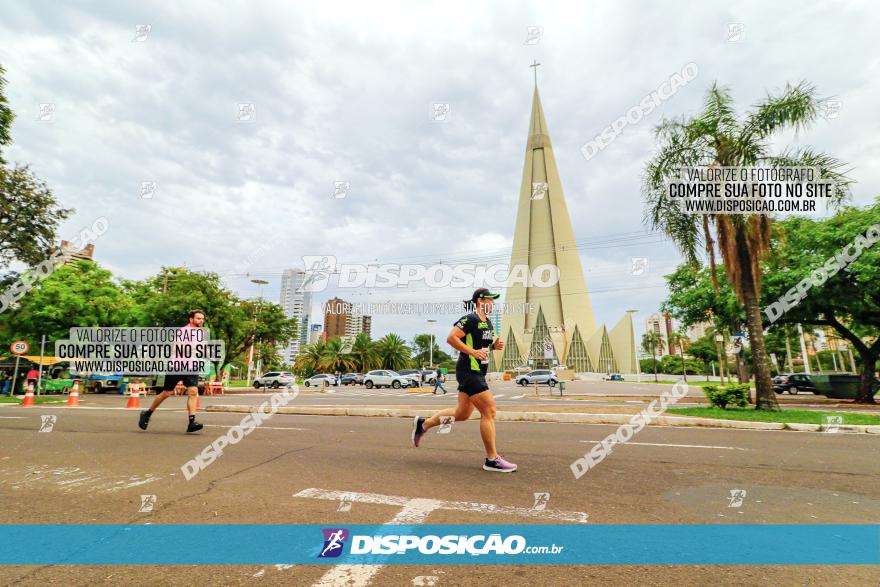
{"x": 344, "y": 91}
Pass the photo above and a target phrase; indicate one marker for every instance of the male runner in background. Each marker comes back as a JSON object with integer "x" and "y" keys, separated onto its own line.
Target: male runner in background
{"x": 189, "y": 380}
{"x": 472, "y": 335}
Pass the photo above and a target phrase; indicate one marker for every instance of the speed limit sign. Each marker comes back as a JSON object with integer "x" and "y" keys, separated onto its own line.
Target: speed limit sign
{"x": 19, "y": 347}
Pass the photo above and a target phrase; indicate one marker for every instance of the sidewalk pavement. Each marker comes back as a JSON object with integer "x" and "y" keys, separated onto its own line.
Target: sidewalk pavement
{"x": 561, "y": 414}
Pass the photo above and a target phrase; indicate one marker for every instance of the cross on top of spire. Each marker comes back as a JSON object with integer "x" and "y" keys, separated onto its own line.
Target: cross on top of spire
{"x": 535, "y": 64}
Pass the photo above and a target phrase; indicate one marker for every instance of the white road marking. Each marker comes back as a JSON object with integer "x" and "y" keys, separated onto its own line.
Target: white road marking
{"x": 518, "y": 396}
{"x": 414, "y": 511}
{"x": 675, "y": 445}
{"x": 500, "y": 395}
{"x": 68, "y": 478}
{"x": 258, "y": 427}
{"x": 462, "y": 506}
{"x": 12, "y": 417}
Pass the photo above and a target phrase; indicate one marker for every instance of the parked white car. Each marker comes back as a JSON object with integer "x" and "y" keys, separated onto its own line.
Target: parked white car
{"x": 320, "y": 379}
{"x": 384, "y": 378}
{"x": 414, "y": 376}
{"x": 545, "y": 376}
{"x": 275, "y": 379}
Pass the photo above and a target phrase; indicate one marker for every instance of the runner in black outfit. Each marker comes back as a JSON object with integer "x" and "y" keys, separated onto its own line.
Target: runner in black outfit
{"x": 190, "y": 381}
{"x": 473, "y": 336}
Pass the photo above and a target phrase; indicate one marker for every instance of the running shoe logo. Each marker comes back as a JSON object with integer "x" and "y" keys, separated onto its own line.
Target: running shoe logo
{"x": 317, "y": 272}
{"x": 334, "y": 540}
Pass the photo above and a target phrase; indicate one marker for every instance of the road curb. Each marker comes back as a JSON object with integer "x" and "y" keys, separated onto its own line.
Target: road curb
{"x": 566, "y": 418}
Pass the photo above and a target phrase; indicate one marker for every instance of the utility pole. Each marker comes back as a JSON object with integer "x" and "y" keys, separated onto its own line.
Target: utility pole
{"x": 788, "y": 351}
{"x": 431, "y": 351}
{"x": 261, "y": 283}
{"x": 804, "y": 349}
{"x": 632, "y": 329}
{"x": 719, "y": 340}
{"x": 42, "y": 354}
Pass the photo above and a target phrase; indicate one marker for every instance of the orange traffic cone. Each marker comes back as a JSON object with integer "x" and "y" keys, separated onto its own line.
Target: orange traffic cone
{"x": 29, "y": 400}
{"x": 73, "y": 398}
{"x": 134, "y": 400}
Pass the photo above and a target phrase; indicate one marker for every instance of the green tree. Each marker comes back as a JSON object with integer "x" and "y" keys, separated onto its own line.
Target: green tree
{"x": 703, "y": 349}
{"x": 673, "y": 365}
{"x": 650, "y": 341}
{"x": 29, "y": 212}
{"x": 79, "y": 294}
{"x": 849, "y": 300}
{"x": 29, "y": 216}
{"x": 421, "y": 345}
{"x": 678, "y": 339}
{"x": 393, "y": 352}
{"x": 365, "y": 353}
{"x": 308, "y": 360}
{"x": 692, "y": 299}
{"x": 6, "y": 117}
{"x": 333, "y": 359}
{"x": 166, "y": 300}
{"x": 718, "y": 137}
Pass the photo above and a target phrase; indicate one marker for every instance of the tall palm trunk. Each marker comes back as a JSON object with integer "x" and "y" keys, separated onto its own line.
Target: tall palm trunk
{"x": 654, "y": 360}
{"x": 765, "y": 397}
{"x": 683, "y": 364}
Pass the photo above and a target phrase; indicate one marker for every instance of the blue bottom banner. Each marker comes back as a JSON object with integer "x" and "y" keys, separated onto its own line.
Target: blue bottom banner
{"x": 484, "y": 544}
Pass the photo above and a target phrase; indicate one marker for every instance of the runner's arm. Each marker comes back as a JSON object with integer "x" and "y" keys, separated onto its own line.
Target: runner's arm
{"x": 454, "y": 340}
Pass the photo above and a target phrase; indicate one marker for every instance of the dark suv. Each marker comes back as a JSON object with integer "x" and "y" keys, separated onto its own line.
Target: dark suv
{"x": 353, "y": 379}
{"x": 793, "y": 383}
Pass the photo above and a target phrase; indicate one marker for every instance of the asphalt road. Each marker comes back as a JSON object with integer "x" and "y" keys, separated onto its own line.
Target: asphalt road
{"x": 94, "y": 466}
{"x": 507, "y": 393}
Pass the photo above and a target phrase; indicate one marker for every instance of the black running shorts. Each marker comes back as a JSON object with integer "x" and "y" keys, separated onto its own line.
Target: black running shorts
{"x": 171, "y": 381}
{"x": 471, "y": 382}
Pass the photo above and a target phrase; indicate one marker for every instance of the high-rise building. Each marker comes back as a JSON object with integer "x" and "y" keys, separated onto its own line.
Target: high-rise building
{"x": 296, "y": 301}
{"x": 69, "y": 252}
{"x": 660, "y": 324}
{"x": 336, "y": 313}
{"x": 342, "y": 318}
{"x": 561, "y": 327}
{"x": 698, "y": 330}
{"x": 354, "y": 323}
{"x": 315, "y": 333}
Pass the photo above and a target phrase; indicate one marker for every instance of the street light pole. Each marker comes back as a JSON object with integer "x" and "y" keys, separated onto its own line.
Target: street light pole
{"x": 632, "y": 327}
{"x": 431, "y": 350}
{"x": 719, "y": 342}
{"x": 804, "y": 350}
{"x": 261, "y": 283}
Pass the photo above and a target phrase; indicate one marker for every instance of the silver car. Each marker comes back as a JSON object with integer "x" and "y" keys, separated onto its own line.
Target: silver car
{"x": 320, "y": 380}
{"x": 385, "y": 378}
{"x": 275, "y": 379}
{"x": 539, "y": 376}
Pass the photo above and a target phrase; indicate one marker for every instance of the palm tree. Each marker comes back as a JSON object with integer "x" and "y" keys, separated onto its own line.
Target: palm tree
{"x": 650, "y": 341}
{"x": 678, "y": 338}
{"x": 393, "y": 352}
{"x": 717, "y": 137}
{"x": 308, "y": 361}
{"x": 333, "y": 359}
{"x": 365, "y": 353}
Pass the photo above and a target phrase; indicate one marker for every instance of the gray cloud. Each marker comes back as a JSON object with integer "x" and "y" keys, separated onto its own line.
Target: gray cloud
{"x": 343, "y": 91}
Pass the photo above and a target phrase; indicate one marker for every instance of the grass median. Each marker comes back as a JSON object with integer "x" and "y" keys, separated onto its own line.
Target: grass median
{"x": 39, "y": 400}
{"x": 782, "y": 416}
{"x": 694, "y": 382}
